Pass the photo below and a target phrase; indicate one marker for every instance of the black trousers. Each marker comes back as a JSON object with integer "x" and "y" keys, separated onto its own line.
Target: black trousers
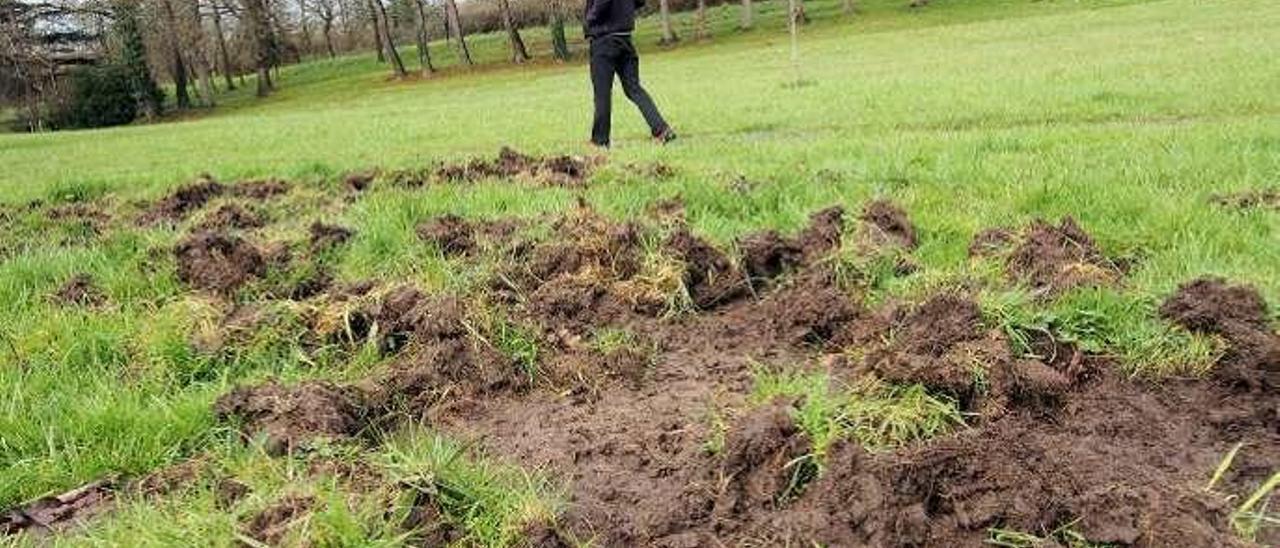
{"x": 610, "y": 55}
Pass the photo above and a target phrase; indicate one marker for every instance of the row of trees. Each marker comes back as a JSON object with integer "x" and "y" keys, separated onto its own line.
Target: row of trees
{"x": 56, "y": 52}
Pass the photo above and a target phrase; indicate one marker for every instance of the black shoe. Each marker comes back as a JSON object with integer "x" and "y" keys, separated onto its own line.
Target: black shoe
{"x": 665, "y": 136}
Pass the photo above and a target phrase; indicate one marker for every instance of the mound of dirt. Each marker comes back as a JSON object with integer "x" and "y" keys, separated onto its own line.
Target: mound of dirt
{"x": 668, "y": 209}
{"x": 89, "y": 215}
{"x": 218, "y": 262}
{"x": 57, "y": 512}
{"x": 270, "y": 526}
{"x": 80, "y": 291}
{"x": 232, "y": 216}
{"x": 1238, "y": 314}
{"x": 452, "y": 234}
{"x": 567, "y": 171}
{"x": 359, "y": 181}
{"x": 884, "y": 224}
{"x": 426, "y": 523}
{"x": 767, "y": 254}
{"x": 292, "y": 417}
{"x": 1053, "y": 259}
{"x": 809, "y": 311}
{"x": 1120, "y": 464}
{"x": 325, "y": 236}
{"x": 765, "y": 462}
{"x": 935, "y": 344}
{"x": 709, "y": 276}
{"x": 261, "y": 189}
{"x": 182, "y": 202}
{"x": 992, "y": 241}
{"x": 1266, "y": 198}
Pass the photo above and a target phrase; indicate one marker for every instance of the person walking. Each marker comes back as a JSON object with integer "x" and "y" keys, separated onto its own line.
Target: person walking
{"x": 608, "y": 25}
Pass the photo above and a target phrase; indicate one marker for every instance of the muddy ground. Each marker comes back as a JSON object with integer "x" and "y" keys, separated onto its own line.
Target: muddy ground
{"x": 1053, "y": 440}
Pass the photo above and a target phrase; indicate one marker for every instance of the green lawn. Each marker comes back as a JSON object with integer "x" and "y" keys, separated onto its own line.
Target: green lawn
{"x": 1127, "y": 115}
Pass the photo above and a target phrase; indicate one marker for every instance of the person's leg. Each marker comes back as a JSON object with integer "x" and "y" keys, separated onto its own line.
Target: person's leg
{"x": 629, "y": 73}
{"x": 602, "y": 71}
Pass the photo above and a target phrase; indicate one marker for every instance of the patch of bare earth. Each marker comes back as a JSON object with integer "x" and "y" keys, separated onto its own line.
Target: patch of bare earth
{"x": 567, "y": 171}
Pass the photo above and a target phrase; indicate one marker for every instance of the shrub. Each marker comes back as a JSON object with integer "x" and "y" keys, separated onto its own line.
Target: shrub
{"x": 98, "y": 96}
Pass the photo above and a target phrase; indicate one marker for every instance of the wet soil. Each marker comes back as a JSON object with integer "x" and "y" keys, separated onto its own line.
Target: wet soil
{"x": 56, "y": 512}
{"x": 452, "y": 234}
{"x": 261, "y": 189}
{"x": 1051, "y": 259}
{"x": 291, "y": 417}
{"x": 566, "y": 171}
{"x": 218, "y": 262}
{"x": 885, "y": 224}
{"x": 182, "y": 202}
{"x": 324, "y": 237}
{"x": 80, "y": 290}
{"x": 270, "y": 526}
{"x": 233, "y": 217}
{"x": 1238, "y": 314}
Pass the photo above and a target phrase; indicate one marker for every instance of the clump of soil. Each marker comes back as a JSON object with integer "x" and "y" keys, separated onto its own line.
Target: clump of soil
{"x": 232, "y": 216}
{"x": 426, "y": 522}
{"x": 292, "y": 417}
{"x": 80, "y": 290}
{"x": 452, "y": 234}
{"x": 765, "y": 462}
{"x": 218, "y": 262}
{"x": 1238, "y": 314}
{"x": 767, "y": 255}
{"x": 56, "y": 512}
{"x": 992, "y": 241}
{"x": 171, "y": 479}
{"x": 359, "y": 181}
{"x": 1053, "y": 259}
{"x": 270, "y": 526}
{"x": 568, "y": 171}
{"x": 710, "y": 277}
{"x": 91, "y": 216}
{"x": 811, "y": 310}
{"x": 261, "y": 189}
{"x": 182, "y": 202}
{"x": 668, "y": 209}
{"x": 934, "y": 344}
{"x": 886, "y": 225}
{"x": 1266, "y": 198}
{"x": 1120, "y": 463}
{"x": 326, "y": 236}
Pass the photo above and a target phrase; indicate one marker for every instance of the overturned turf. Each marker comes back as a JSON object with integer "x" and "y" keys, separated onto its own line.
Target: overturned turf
{"x": 568, "y": 171}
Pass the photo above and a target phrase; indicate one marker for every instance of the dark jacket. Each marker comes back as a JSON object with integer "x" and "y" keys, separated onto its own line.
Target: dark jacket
{"x": 605, "y": 17}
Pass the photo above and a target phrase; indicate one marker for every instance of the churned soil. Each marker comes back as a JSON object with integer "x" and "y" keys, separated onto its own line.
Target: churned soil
{"x": 80, "y": 290}
{"x": 324, "y": 236}
{"x": 233, "y": 217}
{"x": 567, "y": 171}
{"x": 290, "y": 417}
{"x": 217, "y": 261}
{"x": 182, "y": 202}
{"x": 57, "y": 512}
{"x": 1238, "y": 314}
{"x": 270, "y": 526}
{"x": 1049, "y": 258}
{"x": 261, "y": 189}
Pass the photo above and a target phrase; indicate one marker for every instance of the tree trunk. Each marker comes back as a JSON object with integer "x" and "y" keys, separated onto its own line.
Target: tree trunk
{"x": 519, "y": 54}
{"x": 305, "y": 39}
{"x": 559, "y": 43}
{"x": 668, "y": 33}
{"x": 377, "y": 32}
{"x": 179, "y": 68}
{"x": 847, "y": 7}
{"x": 424, "y": 41}
{"x": 328, "y": 37}
{"x": 703, "y": 32}
{"x": 224, "y": 57}
{"x": 748, "y": 17}
{"x": 397, "y": 65}
{"x": 455, "y": 21}
{"x": 260, "y": 33}
{"x": 198, "y": 55}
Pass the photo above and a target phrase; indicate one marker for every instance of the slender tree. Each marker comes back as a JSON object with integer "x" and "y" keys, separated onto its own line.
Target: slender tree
{"x": 703, "y": 32}
{"x": 668, "y": 33}
{"x": 454, "y": 21}
{"x": 748, "y": 15}
{"x": 324, "y": 10}
{"x": 424, "y": 40}
{"x": 199, "y": 60}
{"x": 559, "y": 43}
{"x": 178, "y": 68}
{"x": 388, "y": 44}
{"x": 377, "y": 32}
{"x": 223, "y": 56}
{"x": 259, "y": 30}
{"x": 519, "y": 54}
{"x": 847, "y": 7}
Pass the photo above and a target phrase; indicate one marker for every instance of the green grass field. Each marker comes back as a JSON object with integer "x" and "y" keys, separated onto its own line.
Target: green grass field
{"x": 1127, "y": 115}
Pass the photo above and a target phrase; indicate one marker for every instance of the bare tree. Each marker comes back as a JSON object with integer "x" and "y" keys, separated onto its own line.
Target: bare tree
{"x": 173, "y": 42}
{"x": 668, "y": 33}
{"x": 259, "y": 32}
{"x": 559, "y": 43}
{"x": 454, "y": 22}
{"x": 703, "y": 32}
{"x": 424, "y": 40}
{"x": 198, "y": 54}
{"x": 324, "y": 10}
{"x": 377, "y": 32}
{"x": 388, "y": 44}
{"x": 223, "y": 56}
{"x": 519, "y": 54}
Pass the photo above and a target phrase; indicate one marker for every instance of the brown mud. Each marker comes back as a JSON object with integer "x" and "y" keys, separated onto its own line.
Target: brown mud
{"x": 261, "y": 189}
{"x": 218, "y": 262}
{"x": 1050, "y": 259}
{"x": 1267, "y": 198}
{"x": 1054, "y": 440}
{"x": 182, "y": 202}
{"x": 57, "y": 512}
{"x": 270, "y": 526}
{"x": 566, "y": 171}
{"x": 80, "y": 290}
{"x": 232, "y": 217}
{"x": 324, "y": 237}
